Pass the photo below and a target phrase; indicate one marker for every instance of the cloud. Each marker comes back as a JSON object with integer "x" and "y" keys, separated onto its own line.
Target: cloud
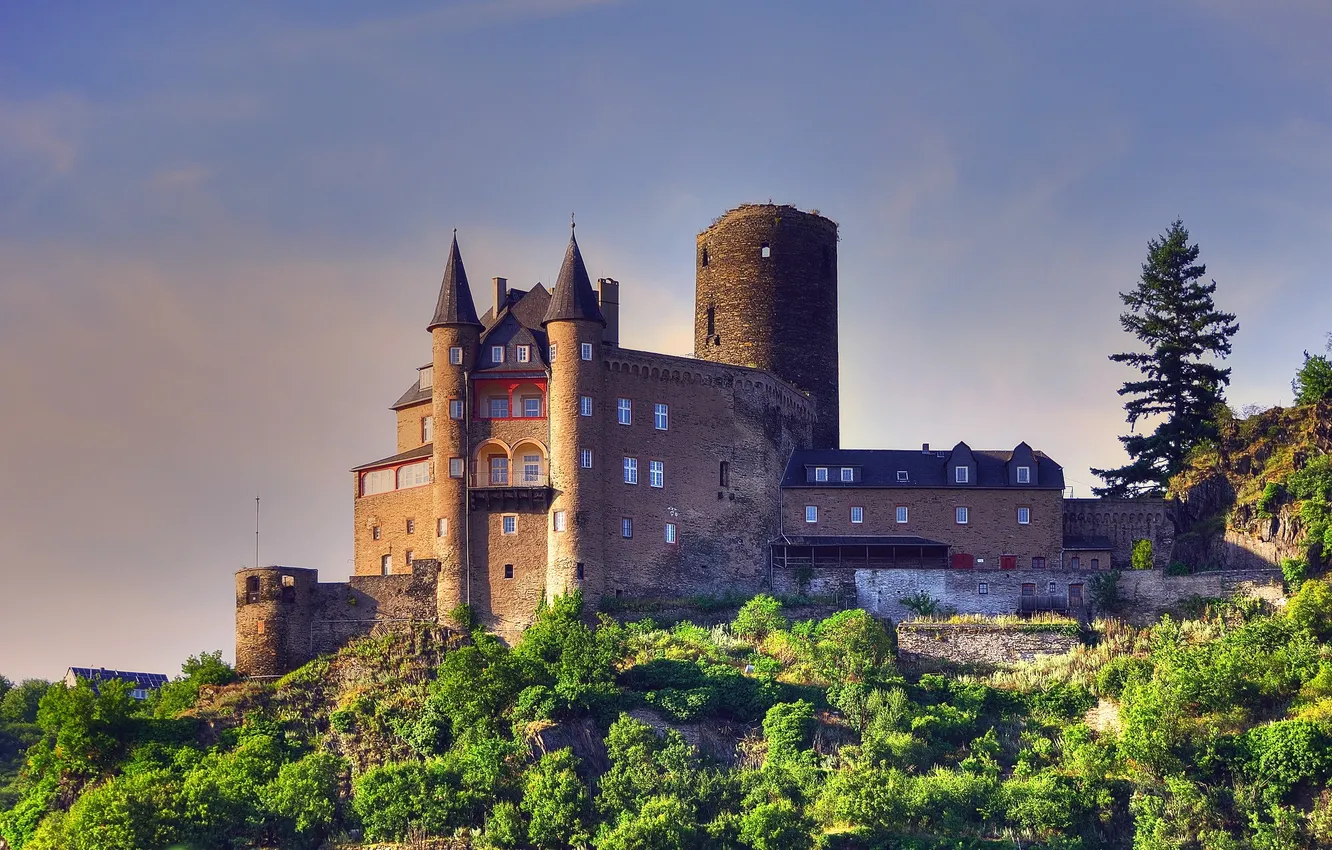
{"x": 43, "y": 130}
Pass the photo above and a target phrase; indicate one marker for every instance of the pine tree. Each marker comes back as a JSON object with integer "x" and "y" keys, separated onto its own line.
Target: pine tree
{"x": 1175, "y": 316}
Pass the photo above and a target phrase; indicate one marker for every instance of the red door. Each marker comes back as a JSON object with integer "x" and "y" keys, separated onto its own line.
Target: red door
{"x": 963, "y": 561}
{"x": 1008, "y": 562}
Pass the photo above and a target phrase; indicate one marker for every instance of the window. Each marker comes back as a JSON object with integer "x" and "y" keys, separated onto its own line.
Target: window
{"x": 857, "y": 514}
{"x": 624, "y": 411}
{"x": 631, "y": 470}
{"x": 661, "y": 416}
{"x": 902, "y": 513}
{"x": 252, "y": 589}
{"x": 553, "y": 349}
{"x": 820, "y": 473}
{"x": 848, "y": 474}
{"x": 903, "y": 476}
{"x": 724, "y": 474}
{"x": 670, "y": 532}
{"x": 1077, "y": 562}
{"x": 561, "y": 520}
{"x": 499, "y": 471}
{"x": 259, "y": 626}
{"x": 455, "y": 408}
{"x": 414, "y": 474}
{"x": 961, "y": 516}
{"x": 376, "y": 533}
{"x": 1052, "y": 588}
{"x": 703, "y": 259}
{"x": 1038, "y": 563}
{"x": 532, "y": 407}
{"x": 427, "y": 378}
{"x": 411, "y": 526}
{"x": 531, "y": 469}
{"x": 524, "y": 353}
{"x": 712, "y": 321}
{"x": 983, "y": 588}
{"x": 499, "y": 408}
{"x": 455, "y": 355}
{"x": 627, "y": 527}
{"x": 585, "y": 458}
{"x": 961, "y": 474}
{"x": 497, "y": 354}
{"x": 385, "y": 564}
{"x": 656, "y": 473}
{"x": 427, "y": 429}
{"x": 409, "y": 555}
{"x": 509, "y": 523}
{"x": 1024, "y": 516}
{"x": 1024, "y": 475}
{"x": 765, "y": 251}
{"x": 442, "y": 527}
{"x": 457, "y": 466}
{"x": 578, "y": 570}
{"x": 1096, "y": 563}
{"x": 811, "y": 513}
{"x": 379, "y": 481}
{"x": 585, "y": 405}
{"x": 508, "y": 570}
{"x": 585, "y": 351}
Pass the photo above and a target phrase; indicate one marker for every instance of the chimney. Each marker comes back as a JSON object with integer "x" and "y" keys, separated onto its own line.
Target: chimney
{"x": 924, "y": 448}
{"x": 609, "y": 298}
{"x": 501, "y": 293}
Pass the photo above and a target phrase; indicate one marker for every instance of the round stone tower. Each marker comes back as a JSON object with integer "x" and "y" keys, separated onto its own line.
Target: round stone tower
{"x": 273, "y": 619}
{"x": 574, "y": 325}
{"x": 455, "y": 333}
{"x": 766, "y": 297}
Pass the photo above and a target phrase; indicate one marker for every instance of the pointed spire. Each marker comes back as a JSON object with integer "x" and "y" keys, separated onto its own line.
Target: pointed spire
{"x": 574, "y": 297}
{"x": 455, "y": 305}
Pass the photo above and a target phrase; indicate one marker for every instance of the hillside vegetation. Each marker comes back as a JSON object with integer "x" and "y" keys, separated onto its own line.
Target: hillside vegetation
{"x": 1207, "y": 733}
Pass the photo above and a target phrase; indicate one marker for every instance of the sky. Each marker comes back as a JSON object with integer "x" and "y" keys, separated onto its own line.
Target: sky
{"x": 222, "y": 229}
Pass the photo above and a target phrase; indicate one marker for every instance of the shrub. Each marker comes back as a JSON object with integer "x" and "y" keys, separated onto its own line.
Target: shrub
{"x": 1311, "y": 608}
{"x": 1271, "y": 498}
{"x": 556, "y": 802}
{"x": 1105, "y": 591}
{"x": 922, "y": 604}
{"x": 1294, "y": 570}
{"x": 1281, "y": 755}
{"x": 758, "y": 617}
{"x": 1313, "y": 382}
{"x": 788, "y": 728}
{"x": 1142, "y": 555}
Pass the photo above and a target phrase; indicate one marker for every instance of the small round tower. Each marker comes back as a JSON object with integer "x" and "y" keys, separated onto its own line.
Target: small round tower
{"x": 455, "y": 334}
{"x": 766, "y": 297}
{"x": 575, "y": 325}
{"x": 273, "y": 619}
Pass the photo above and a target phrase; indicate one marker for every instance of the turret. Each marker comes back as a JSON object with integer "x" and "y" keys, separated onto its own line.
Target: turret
{"x": 456, "y": 332}
{"x": 575, "y": 326}
{"x": 273, "y": 619}
{"x": 766, "y": 297}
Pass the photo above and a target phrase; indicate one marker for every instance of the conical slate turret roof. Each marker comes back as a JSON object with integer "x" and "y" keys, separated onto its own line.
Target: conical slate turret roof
{"x": 455, "y": 305}
{"x": 574, "y": 297}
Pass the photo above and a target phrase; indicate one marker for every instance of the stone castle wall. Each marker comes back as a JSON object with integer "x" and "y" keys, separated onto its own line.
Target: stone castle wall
{"x": 1124, "y": 522}
{"x": 976, "y": 643}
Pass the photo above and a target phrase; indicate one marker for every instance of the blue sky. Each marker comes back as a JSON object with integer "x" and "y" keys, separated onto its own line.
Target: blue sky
{"x": 222, "y": 229}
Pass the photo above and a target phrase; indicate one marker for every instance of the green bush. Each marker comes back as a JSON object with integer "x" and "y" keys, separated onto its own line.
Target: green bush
{"x": 1141, "y": 558}
{"x": 759, "y": 617}
{"x": 1271, "y": 499}
{"x": 1311, "y": 608}
{"x": 1313, "y": 381}
{"x": 788, "y": 728}
{"x": 556, "y": 802}
{"x": 1294, "y": 570}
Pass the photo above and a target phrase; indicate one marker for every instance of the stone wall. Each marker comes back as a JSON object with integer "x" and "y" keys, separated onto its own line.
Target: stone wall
{"x": 1148, "y": 594}
{"x": 1124, "y": 522}
{"x": 977, "y": 643}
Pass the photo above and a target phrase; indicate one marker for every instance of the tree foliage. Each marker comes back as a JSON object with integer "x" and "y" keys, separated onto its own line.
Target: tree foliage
{"x": 1175, "y": 316}
{"x": 1313, "y": 381}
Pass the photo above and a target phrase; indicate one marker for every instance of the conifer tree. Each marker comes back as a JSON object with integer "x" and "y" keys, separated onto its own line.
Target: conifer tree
{"x": 1175, "y": 316}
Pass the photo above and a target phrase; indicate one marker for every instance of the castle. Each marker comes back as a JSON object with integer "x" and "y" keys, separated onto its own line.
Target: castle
{"x": 537, "y": 456}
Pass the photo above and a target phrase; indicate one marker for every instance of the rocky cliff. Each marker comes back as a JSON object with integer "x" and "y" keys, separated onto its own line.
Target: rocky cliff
{"x": 1235, "y": 510}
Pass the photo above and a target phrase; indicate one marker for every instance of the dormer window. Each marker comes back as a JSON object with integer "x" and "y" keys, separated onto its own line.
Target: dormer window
{"x": 903, "y": 476}
{"x": 1023, "y": 474}
{"x": 961, "y": 474}
{"x": 848, "y": 474}
{"x": 497, "y": 354}
{"x": 524, "y": 353}
{"x": 820, "y": 473}
{"x": 427, "y": 377}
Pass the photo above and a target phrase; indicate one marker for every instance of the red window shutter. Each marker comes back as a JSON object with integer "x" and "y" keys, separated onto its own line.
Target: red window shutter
{"x": 1008, "y": 562}
{"x": 962, "y": 561}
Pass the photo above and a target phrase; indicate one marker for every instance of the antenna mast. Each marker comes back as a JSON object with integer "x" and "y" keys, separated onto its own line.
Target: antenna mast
{"x": 256, "y": 532}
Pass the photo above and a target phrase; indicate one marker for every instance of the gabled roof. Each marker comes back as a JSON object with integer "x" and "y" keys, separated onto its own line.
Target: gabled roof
{"x": 415, "y": 454}
{"x": 455, "y": 305}
{"x": 414, "y": 395}
{"x": 574, "y": 297}
{"x": 528, "y": 306}
{"x": 144, "y": 681}
{"x": 879, "y": 468}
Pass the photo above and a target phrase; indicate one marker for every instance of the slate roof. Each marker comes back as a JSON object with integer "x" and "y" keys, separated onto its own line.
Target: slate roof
{"x": 859, "y": 540}
{"x": 574, "y": 297}
{"x": 879, "y": 468}
{"x": 415, "y": 454}
{"x": 143, "y": 681}
{"x": 414, "y": 395}
{"x": 1088, "y": 544}
{"x": 455, "y": 305}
